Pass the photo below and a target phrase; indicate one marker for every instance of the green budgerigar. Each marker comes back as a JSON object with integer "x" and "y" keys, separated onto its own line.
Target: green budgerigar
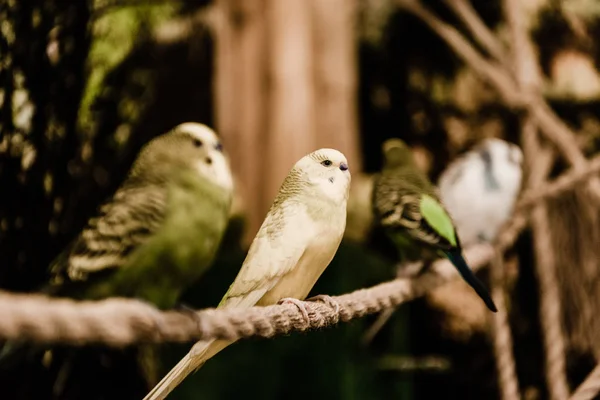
{"x": 407, "y": 207}
{"x": 296, "y": 242}
{"x": 161, "y": 229}
{"x": 158, "y": 233}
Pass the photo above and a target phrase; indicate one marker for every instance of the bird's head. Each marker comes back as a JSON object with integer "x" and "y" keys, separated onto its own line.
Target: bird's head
{"x": 189, "y": 145}
{"x": 501, "y": 152}
{"x": 328, "y": 171}
{"x": 396, "y": 153}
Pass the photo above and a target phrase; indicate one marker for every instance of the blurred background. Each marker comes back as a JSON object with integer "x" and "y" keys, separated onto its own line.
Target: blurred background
{"x": 86, "y": 83}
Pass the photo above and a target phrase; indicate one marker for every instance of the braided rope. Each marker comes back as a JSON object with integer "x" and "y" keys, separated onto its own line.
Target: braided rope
{"x": 119, "y": 322}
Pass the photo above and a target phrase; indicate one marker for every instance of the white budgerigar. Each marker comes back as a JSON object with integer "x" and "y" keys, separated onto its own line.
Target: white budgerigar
{"x": 297, "y": 240}
{"x": 480, "y": 188}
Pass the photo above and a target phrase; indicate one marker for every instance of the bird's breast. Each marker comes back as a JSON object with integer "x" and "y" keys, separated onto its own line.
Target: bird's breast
{"x": 324, "y": 241}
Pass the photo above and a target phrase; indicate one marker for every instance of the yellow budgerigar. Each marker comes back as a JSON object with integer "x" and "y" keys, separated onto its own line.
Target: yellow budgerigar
{"x": 297, "y": 240}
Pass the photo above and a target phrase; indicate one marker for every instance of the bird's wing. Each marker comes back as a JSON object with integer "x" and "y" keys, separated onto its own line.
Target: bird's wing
{"x": 436, "y": 218}
{"x": 403, "y": 205}
{"x": 275, "y": 251}
{"x": 122, "y": 224}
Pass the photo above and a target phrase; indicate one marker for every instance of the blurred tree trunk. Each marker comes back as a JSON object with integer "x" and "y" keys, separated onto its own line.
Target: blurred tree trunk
{"x": 240, "y": 77}
{"x": 335, "y": 77}
{"x": 296, "y": 59}
{"x": 292, "y": 103}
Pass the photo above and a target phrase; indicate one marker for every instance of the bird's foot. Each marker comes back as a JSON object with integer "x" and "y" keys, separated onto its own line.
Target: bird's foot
{"x": 327, "y": 300}
{"x": 185, "y": 309}
{"x": 297, "y": 303}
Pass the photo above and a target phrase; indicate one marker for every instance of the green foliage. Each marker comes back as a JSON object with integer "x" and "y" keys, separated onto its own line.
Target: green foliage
{"x": 114, "y": 35}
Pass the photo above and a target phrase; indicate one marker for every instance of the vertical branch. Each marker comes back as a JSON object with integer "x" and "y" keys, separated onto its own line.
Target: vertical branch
{"x": 335, "y": 77}
{"x": 490, "y": 71}
{"x": 526, "y": 67}
{"x": 528, "y": 77}
{"x": 503, "y": 343}
{"x": 502, "y": 80}
{"x": 239, "y": 96}
{"x": 480, "y": 32}
{"x": 550, "y": 305}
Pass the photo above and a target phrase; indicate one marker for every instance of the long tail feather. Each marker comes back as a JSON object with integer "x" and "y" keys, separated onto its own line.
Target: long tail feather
{"x": 456, "y": 257}
{"x": 193, "y": 360}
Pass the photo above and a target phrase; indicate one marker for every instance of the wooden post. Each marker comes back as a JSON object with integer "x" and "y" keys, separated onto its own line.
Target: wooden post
{"x": 285, "y": 86}
{"x": 335, "y": 77}
{"x": 240, "y": 97}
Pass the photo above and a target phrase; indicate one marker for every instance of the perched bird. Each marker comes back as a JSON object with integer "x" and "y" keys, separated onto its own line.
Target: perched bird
{"x": 161, "y": 229}
{"x": 406, "y": 205}
{"x": 297, "y": 240}
{"x": 480, "y": 188}
{"x": 158, "y": 233}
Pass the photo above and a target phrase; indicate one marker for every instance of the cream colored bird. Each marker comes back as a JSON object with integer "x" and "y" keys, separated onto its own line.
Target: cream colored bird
{"x": 297, "y": 240}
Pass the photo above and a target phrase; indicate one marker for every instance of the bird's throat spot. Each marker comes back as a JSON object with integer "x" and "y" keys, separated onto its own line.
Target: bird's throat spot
{"x": 331, "y": 179}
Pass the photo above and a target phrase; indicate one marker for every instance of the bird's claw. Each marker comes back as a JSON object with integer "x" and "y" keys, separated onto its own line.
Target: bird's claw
{"x": 297, "y": 303}
{"x": 327, "y": 300}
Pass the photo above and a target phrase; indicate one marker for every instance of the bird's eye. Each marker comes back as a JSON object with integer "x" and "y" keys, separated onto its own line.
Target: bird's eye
{"x": 219, "y": 147}
{"x": 198, "y": 143}
{"x": 327, "y": 163}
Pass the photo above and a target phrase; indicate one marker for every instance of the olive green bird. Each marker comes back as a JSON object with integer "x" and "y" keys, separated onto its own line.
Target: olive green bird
{"x": 407, "y": 207}
{"x": 161, "y": 229}
{"x": 296, "y": 242}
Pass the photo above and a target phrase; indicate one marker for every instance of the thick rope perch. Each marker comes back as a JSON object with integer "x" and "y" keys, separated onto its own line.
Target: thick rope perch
{"x": 120, "y": 322}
